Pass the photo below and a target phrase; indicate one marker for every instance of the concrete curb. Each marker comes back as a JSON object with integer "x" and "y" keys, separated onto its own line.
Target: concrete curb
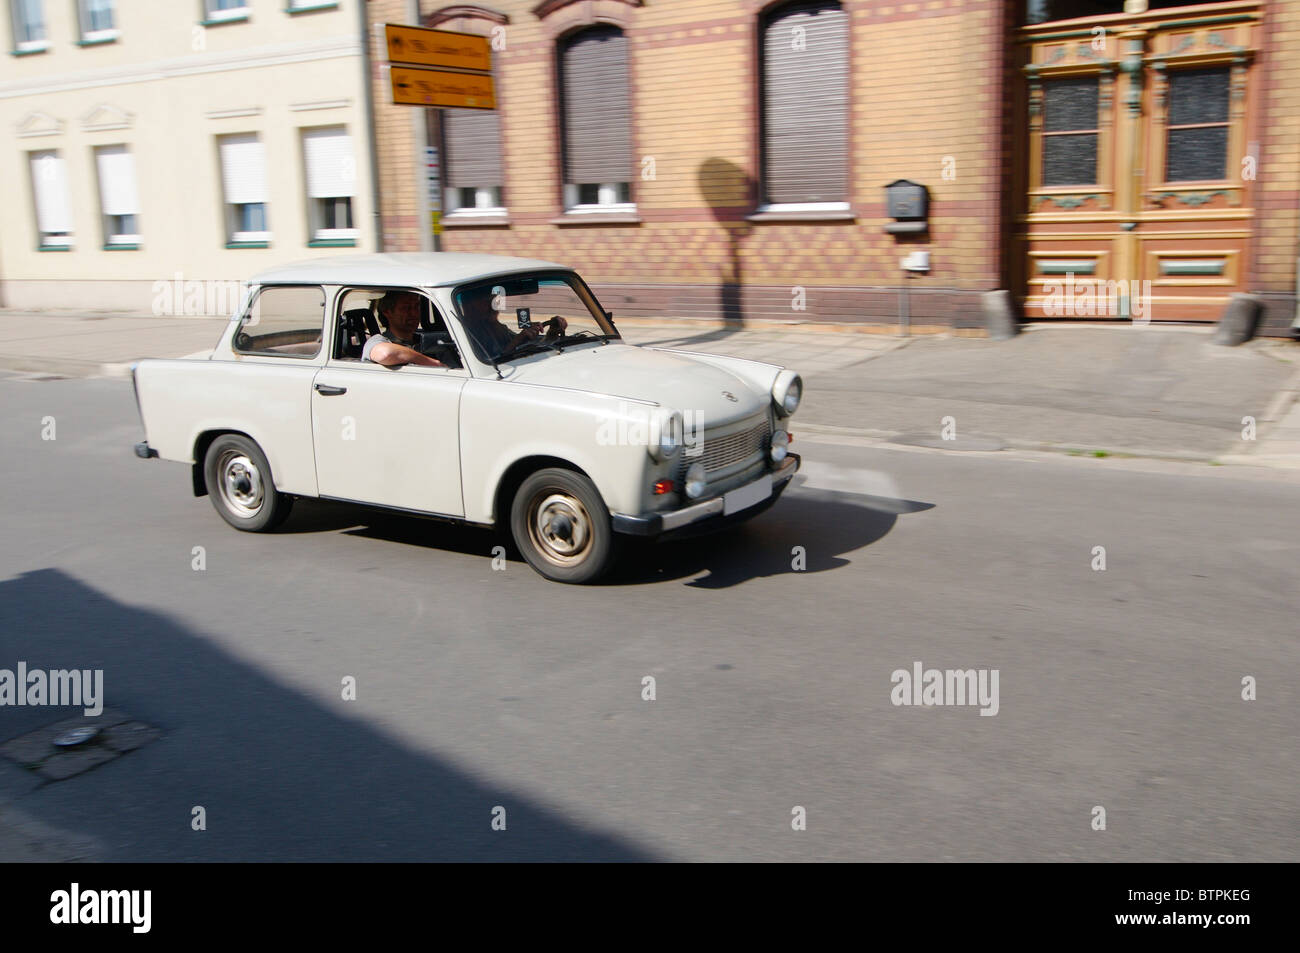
{"x": 885, "y": 438}
{"x": 1278, "y": 445}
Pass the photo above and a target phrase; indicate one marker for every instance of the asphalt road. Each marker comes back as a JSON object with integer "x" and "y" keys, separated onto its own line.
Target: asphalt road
{"x": 480, "y": 688}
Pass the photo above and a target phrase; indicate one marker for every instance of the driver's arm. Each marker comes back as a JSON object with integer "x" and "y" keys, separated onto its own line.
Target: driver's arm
{"x": 395, "y": 355}
{"x": 534, "y": 331}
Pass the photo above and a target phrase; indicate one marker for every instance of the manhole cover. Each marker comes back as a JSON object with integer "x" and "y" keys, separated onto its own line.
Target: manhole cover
{"x": 77, "y": 736}
{"x": 74, "y": 745}
{"x": 957, "y": 443}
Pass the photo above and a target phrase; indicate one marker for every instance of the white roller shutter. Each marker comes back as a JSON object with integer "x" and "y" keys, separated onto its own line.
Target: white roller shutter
{"x": 117, "y": 188}
{"x": 243, "y": 169}
{"x": 50, "y": 184}
{"x": 331, "y": 167}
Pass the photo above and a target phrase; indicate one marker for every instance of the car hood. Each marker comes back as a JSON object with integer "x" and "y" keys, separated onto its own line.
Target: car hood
{"x": 673, "y": 380}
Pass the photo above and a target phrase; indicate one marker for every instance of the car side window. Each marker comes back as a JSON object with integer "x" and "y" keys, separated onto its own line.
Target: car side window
{"x": 361, "y": 317}
{"x": 283, "y": 322}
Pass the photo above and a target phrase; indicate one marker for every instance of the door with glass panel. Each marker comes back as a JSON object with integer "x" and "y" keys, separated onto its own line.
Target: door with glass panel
{"x": 1139, "y": 173}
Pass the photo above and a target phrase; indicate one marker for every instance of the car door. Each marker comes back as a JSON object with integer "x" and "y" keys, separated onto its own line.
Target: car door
{"x": 388, "y": 436}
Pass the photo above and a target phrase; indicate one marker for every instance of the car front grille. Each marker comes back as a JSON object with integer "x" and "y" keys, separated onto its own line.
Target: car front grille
{"x": 722, "y": 452}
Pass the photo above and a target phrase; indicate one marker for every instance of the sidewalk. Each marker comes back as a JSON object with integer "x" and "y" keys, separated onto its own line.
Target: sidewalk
{"x": 1154, "y": 391}
{"x": 97, "y": 345}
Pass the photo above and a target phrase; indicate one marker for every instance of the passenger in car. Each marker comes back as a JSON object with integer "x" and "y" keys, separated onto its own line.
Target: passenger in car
{"x": 399, "y": 312}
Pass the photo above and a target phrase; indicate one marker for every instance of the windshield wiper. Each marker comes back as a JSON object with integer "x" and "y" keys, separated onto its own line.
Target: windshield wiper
{"x": 524, "y": 348}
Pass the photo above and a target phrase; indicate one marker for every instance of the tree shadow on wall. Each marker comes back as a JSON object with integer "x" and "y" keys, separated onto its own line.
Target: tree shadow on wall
{"x": 729, "y": 193}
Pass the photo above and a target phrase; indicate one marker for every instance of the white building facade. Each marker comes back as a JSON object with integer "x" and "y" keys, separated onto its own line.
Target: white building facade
{"x": 174, "y": 144}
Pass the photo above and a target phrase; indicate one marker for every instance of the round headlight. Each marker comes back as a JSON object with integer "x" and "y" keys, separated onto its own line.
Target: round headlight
{"x": 665, "y": 435}
{"x": 793, "y": 396}
{"x": 695, "y": 481}
{"x": 780, "y": 446}
{"x": 787, "y": 391}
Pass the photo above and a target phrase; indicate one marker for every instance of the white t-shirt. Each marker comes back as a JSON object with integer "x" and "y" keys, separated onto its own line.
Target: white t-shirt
{"x": 377, "y": 339}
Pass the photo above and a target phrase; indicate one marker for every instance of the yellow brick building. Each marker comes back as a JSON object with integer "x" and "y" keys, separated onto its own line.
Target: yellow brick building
{"x": 1179, "y": 121}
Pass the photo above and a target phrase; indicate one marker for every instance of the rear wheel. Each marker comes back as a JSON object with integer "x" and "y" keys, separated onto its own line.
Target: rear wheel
{"x": 240, "y": 484}
{"x": 561, "y": 526}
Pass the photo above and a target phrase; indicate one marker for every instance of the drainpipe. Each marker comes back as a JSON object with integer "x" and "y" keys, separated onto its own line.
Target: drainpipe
{"x": 368, "y": 85}
{"x": 420, "y": 133}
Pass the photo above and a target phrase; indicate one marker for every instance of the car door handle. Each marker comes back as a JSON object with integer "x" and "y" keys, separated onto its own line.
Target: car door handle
{"x": 329, "y": 391}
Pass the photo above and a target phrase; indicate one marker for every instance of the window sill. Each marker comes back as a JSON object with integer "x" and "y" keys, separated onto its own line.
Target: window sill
{"x": 810, "y": 213}
{"x": 54, "y": 248}
{"x": 99, "y": 39}
{"x": 222, "y": 21}
{"x": 31, "y": 50}
{"x": 122, "y": 246}
{"x": 314, "y": 8}
{"x": 332, "y": 243}
{"x": 248, "y": 244}
{"x": 476, "y": 219}
{"x": 613, "y": 217}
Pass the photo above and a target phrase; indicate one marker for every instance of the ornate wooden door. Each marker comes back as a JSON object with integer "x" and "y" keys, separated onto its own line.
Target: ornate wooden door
{"x": 1140, "y": 163}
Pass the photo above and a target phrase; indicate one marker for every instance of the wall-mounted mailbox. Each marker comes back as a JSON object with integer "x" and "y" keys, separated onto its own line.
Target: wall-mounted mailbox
{"x": 909, "y": 205}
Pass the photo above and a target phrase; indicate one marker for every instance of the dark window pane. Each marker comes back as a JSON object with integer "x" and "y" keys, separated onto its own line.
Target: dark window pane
{"x": 1198, "y": 95}
{"x": 1070, "y": 160}
{"x": 1070, "y": 104}
{"x": 1197, "y": 154}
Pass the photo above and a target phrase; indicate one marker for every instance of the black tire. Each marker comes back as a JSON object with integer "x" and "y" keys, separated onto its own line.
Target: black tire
{"x": 241, "y": 486}
{"x": 562, "y": 528}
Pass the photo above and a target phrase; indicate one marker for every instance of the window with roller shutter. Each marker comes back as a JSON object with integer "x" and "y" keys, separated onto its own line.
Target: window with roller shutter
{"x": 331, "y": 185}
{"x": 596, "y": 115}
{"x": 119, "y": 196}
{"x": 805, "y": 105}
{"x": 472, "y": 177}
{"x": 53, "y": 210}
{"x": 243, "y": 184}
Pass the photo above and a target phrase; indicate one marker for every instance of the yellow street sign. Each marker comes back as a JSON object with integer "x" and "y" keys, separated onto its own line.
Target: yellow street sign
{"x": 434, "y": 87}
{"x": 420, "y": 46}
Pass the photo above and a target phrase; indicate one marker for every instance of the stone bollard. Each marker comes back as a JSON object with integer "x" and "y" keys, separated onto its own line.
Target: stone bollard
{"x": 1240, "y": 320}
{"x": 1000, "y": 315}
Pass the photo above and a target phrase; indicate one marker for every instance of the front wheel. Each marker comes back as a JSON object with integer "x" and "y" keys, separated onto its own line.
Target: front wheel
{"x": 240, "y": 484}
{"x": 561, "y": 526}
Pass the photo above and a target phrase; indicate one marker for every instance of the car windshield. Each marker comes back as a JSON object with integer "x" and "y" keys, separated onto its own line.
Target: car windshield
{"x": 497, "y": 312}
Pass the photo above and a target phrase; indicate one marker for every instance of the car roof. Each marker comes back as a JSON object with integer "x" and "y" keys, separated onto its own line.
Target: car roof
{"x": 418, "y": 269}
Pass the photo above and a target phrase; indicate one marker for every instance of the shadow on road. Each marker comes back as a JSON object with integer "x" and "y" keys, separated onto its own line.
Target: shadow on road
{"x": 280, "y": 775}
{"x": 827, "y": 524}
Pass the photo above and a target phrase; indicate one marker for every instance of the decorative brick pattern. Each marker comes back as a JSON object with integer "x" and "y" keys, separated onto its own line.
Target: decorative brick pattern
{"x": 934, "y": 90}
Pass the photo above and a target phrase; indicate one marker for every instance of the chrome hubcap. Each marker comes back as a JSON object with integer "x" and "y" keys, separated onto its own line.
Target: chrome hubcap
{"x": 241, "y": 484}
{"x": 560, "y": 528}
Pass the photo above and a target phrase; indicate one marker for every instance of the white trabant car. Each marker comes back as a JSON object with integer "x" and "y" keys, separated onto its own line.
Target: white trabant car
{"x": 498, "y": 392}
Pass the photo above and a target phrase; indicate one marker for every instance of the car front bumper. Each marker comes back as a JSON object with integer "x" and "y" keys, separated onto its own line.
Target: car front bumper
{"x": 712, "y": 510}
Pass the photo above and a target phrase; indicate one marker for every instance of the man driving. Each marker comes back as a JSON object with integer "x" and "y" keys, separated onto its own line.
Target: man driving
{"x": 399, "y": 311}
{"x": 483, "y": 323}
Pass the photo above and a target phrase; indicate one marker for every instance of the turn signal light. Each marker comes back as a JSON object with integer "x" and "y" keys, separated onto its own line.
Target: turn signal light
{"x": 663, "y": 486}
